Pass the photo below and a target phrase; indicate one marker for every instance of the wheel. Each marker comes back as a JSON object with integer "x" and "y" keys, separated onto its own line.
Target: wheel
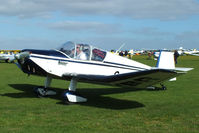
{"x": 163, "y": 87}
{"x": 40, "y": 92}
{"x": 73, "y": 97}
{"x": 43, "y": 92}
{"x": 65, "y": 98}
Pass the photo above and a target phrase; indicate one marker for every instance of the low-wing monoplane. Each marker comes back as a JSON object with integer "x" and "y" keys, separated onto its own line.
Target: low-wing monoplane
{"x": 192, "y": 52}
{"x": 86, "y": 63}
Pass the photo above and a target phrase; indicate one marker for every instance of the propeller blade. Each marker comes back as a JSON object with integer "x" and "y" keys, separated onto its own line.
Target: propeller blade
{"x": 22, "y": 55}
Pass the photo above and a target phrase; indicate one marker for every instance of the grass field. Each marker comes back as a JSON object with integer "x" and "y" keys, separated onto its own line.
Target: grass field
{"x": 108, "y": 110}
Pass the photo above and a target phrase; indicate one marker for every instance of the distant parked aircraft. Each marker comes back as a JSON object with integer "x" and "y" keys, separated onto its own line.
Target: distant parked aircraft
{"x": 7, "y": 57}
{"x": 192, "y": 52}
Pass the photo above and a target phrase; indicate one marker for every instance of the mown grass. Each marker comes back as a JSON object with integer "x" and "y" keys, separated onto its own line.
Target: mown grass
{"x": 109, "y": 109}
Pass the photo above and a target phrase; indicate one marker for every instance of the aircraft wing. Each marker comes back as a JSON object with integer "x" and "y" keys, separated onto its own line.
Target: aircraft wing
{"x": 195, "y": 54}
{"x": 141, "y": 79}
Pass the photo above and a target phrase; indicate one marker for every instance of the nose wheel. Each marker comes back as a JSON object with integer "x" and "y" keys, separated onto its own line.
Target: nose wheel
{"x": 43, "y": 91}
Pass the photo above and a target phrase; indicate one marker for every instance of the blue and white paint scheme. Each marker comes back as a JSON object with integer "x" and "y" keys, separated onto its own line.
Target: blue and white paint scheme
{"x": 86, "y": 63}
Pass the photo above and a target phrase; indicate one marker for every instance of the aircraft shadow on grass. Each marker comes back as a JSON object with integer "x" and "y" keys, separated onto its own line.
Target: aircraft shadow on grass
{"x": 96, "y": 96}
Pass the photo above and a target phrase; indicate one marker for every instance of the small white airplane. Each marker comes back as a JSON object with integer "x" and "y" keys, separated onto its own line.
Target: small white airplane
{"x": 192, "y": 52}
{"x": 7, "y": 57}
{"x": 138, "y": 52}
{"x": 156, "y": 55}
{"x": 86, "y": 63}
{"x": 195, "y": 54}
{"x": 180, "y": 50}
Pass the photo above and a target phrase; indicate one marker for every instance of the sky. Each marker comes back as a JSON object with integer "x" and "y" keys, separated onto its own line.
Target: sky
{"x": 107, "y": 24}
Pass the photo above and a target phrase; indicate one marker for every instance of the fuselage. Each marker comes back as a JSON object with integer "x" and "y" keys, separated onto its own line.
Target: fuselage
{"x": 77, "y": 59}
{"x": 53, "y": 62}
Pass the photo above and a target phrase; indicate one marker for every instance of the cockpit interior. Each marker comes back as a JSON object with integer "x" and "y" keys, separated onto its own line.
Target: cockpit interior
{"x": 82, "y": 51}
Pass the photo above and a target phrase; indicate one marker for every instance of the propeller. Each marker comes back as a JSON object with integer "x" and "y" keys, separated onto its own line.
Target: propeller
{"x": 22, "y": 55}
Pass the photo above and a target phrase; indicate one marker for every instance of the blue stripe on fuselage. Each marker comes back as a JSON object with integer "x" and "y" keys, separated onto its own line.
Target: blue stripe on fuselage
{"x": 123, "y": 65}
{"x": 46, "y": 52}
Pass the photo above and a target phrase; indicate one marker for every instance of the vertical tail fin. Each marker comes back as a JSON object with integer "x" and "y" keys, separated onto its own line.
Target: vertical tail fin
{"x": 166, "y": 60}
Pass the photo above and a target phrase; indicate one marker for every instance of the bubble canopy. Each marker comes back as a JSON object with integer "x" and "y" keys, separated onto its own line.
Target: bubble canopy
{"x": 82, "y": 51}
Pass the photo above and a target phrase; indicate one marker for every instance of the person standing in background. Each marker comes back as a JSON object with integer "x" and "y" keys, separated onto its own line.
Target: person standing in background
{"x": 176, "y": 55}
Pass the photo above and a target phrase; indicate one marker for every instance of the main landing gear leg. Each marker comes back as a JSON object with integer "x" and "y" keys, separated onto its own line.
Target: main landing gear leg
{"x": 43, "y": 91}
{"x": 71, "y": 94}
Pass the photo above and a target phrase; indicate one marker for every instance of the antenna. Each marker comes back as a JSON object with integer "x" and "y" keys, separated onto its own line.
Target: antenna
{"x": 121, "y": 47}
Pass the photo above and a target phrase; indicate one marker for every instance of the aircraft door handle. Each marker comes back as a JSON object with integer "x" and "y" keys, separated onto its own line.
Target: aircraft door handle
{"x": 60, "y": 62}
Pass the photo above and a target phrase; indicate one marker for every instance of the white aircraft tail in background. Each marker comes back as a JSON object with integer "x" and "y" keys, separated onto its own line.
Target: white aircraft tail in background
{"x": 7, "y": 57}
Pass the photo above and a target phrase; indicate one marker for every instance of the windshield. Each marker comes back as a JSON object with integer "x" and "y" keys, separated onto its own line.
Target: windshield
{"x": 68, "y": 48}
{"x": 82, "y": 51}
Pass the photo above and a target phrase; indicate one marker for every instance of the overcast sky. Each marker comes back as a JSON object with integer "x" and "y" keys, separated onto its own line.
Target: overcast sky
{"x": 140, "y": 24}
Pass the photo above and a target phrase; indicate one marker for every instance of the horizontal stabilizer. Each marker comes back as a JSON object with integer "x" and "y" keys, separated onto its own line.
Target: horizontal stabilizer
{"x": 183, "y": 69}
